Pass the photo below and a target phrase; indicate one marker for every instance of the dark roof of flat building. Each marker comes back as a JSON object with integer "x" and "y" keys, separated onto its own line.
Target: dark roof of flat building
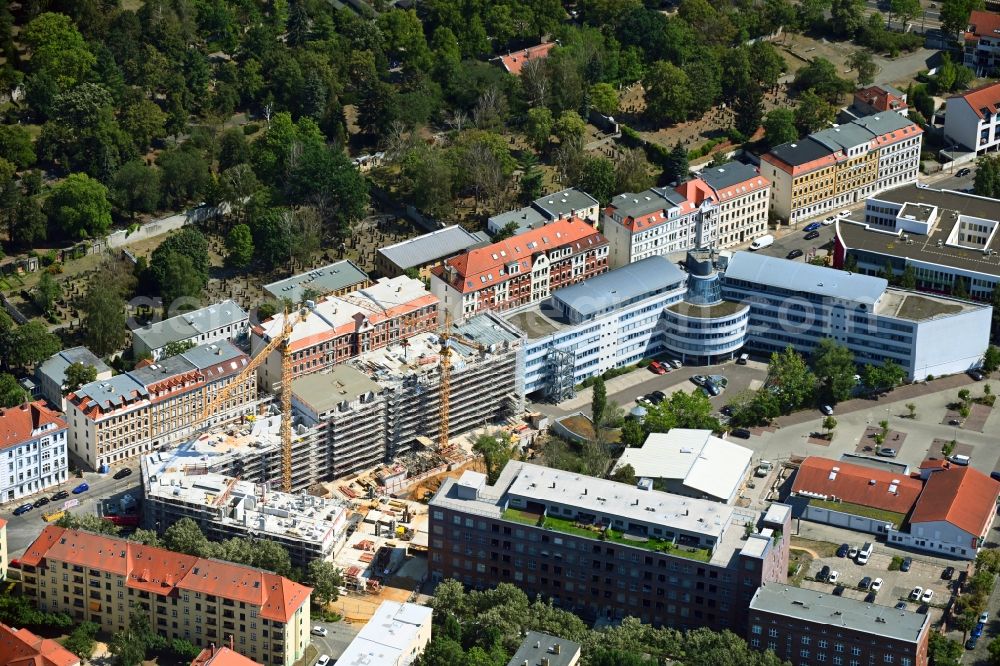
{"x": 802, "y": 151}
{"x": 727, "y": 175}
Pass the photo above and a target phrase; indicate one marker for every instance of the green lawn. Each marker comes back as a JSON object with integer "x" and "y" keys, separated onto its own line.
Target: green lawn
{"x": 859, "y": 510}
{"x": 659, "y": 545}
{"x": 523, "y": 517}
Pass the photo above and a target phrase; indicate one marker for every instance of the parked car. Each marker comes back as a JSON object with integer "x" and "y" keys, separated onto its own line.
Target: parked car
{"x": 656, "y": 368}
{"x": 826, "y": 409}
{"x": 61, "y": 495}
{"x": 870, "y": 598}
{"x": 711, "y": 388}
{"x": 948, "y": 573}
{"x": 320, "y": 631}
{"x": 655, "y": 398}
{"x": 742, "y": 360}
{"x": 812, "y": 226}
{"x": 323, "y": 660}
{"x": 865, "y": 583}
{"x": 971, "y": 643}
{"x": 844, "y": 213}
{"x": 886, "y": 452}
{"x": 742, "y": 433}
{"x": 876, "y": 585}
{"x": 978, "y": 630}
{"x": 838, "y": 591}
{"x": 900, "y": 605}
{"x": 960, "y": 459}
{"x": 963, "y": 172}
{"x": 699, "y": 380}
{"x": 824, "y": 573}
{"x": 916, "y": 592}
{"x": 976, "y": 374}
{"x": 812, "y": 235}
{"x": 906, "y": 564}
{"x": 122, "y": 473}
{"x": 985, "y": 617}
{"x": 24, "y": 508}
{"x": 927, "y": 595}
{"x": 677, "y": 364}
{"x": 843, "y": 550}
{"x": 40, "y": 502}
{"x": 853, "y": 552}
{"x": 82, "y": 488}
{"x": 828, "y": 221}
{"x": 794, "y": 254}
{"x": 834, "y": 575}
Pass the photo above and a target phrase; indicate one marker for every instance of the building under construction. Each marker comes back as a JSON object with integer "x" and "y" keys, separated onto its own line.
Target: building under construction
{"x": 375, "y": 409}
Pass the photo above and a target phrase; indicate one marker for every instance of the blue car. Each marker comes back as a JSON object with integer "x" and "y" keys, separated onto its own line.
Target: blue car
{"x": 82, "y": 488}
{"x": 978, "y": 631}
{"x": 24, "y": 508}
{"x": 812, "y": 226}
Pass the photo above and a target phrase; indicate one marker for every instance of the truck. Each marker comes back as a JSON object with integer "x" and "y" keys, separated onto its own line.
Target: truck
{"x": 764, "y": 241}
{"x": 865, "y": 553}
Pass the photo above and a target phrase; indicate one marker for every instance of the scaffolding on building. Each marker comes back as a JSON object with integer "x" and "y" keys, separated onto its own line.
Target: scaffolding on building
{"x": 561, "y": 367}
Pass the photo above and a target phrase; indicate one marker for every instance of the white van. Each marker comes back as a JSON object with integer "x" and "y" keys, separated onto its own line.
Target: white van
{"x": 960, "y": 459}
{"x": 764, "y": 241}
{"x": 865, "y": 552}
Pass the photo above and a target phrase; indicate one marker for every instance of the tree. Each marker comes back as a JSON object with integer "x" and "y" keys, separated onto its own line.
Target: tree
{"x": 11, "y": 393}
{"x": 496, "y": 454}
{"x": 104, "y": 319}
{"x": 987, "y": 179}
{"x": 82, "y": 641}
{"x": 180, "y": 283}
{"x": 184, "y": 536}
{"x": 239, "y": 246}
{"x": 27, "y": 225}
{"x": 136, "y": 188}
{"x": 668, "y": 94}
{"x": 632, "y": 171}
{"x": 820, "y": 76}
{"x": 190, "y": 243}
{"x": 632, "y": 434}
{"x": 598, "y": 402}
{"x": 624, "y": 474}
{"x": 905, "y": 10}
{"x": 326, "y": 579}
{"x": 912, "y": 409}
{"x": 749, "y": 110}
{"x": 144, "y": 121}
{"x": 569, "y": 126}
{"x": 58, "y": 50}
{"x": 597, "y": 178}
{"x": 16, "y": 146}
{"x": 604, "y": 98}
{"x": 31, "y": 344}
{"x": 539, "y": 126}
{"x": 991, "y": 359}
{"x": 847, "y": 17}
{"x": 909, "y": 278}
{"x": 177, "y": 348}
{"x": 677, "y": 169}
{"x": 943, "y": 651}
{"x": 813, "y": 113}
{"x": 184, "y": 175}
{"x": 47, "y": 292}
{"x": 882, "y": 378}
{"x": 233, "y": 149}
{"x": 146, "y": 537}
{"x": 829, "y": 424}
{"x": 326, "y": 179}
{"x": 954, "y": 14}
{"x": 993, "y": 650}
{"x": 861, "y": 61}
{"x": 779, "y": 127}
{"x": 78, "y": 374}
{"x": 78, "y": 207}
{"x": 833, "y": 364}
{"x": 88, "y": 522}
{"x": 789, "y": 378}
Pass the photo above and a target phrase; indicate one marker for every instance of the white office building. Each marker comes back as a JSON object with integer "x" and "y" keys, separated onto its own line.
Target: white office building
{"x": 797, "y": 304}
{"x": 32, "y": 450}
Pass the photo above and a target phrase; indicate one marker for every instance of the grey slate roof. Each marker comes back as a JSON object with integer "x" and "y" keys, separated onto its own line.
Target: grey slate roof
{"x": 883, "y": 123}
{"x": 609, "y": 290}
{"x": 727, "y": 175}
{"x": 843, "y": 137}
{"x": 190, "y": 324}
{"x": 537, "y": 646}
{"x": 836, "y": 612}
{"x": 564, "y": 202}
{"x": 55, "y": 367}
{"x": 797, "y": 276}
{"x": 526, "y": 218}
{"x": 325, "y": 280}
{"x": 637, "y": 204}
{"x": 433, "y": 246}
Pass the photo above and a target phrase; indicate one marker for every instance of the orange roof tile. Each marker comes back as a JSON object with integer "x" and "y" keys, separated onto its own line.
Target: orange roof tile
{"x": 514, "y": 61}
{"x": 962, "y": 496}
{"x": 983, "y": 24}
{"x": 222, "y": 657}
{"x": 160, "y": 570}
{"x": 17, "y": 423}
{"x": 853, "y": 483}
{"x": 23, "y": 648}
{"x": 982, "y": 98}
{"x": 481, "y": 268}
{"x": 879, "y": 98}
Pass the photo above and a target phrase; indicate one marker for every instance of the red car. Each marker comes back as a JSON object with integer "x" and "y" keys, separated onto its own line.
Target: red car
{"x": 657, "y": 367}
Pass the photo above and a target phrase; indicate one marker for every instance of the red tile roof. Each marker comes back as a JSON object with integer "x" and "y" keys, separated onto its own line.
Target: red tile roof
{"x": 983, "y": 24}
{"x": 481, "y": 268}
{"x": 984, "y": 97}
{"x": 853, "y": 483}
{"x": 160, "y": 570}
{"x": 514, "y": 61}
{"x": 962, "y": 496}
{"x": 23, "y": 648}
{"x": 17, "y": 423}
{"x": 222, "y": 657}
{"x": 879, "y": 98}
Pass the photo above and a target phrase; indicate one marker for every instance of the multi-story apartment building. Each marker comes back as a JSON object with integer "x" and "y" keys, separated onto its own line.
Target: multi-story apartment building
{"x": 51, "y": 374}
{"x": 32, "y": 450}
{"x": 797, "y": 304}
{"x": 842, "y": 165}
{"x": 341, "y": 327}
{"x": 606, "y": 549}
{"x": 113, "y": 420}
{"x": 808, "y": 627}
{"x": 521, "y": 270}
{"x": 560, "y": 205}
{"x": 426, "y": 251}
{"x": 340, "y": 277}
{"x": 20, "y": 647}
{"x": 723, "y": 206}
{"x": 948, "y": 239}
{"x": 222, "y": 656}
{"x": 102, "y": 579}
{"x": 215, "y": 323}
{"x": 972, "y": 119}
{"x": 982, "y": 43}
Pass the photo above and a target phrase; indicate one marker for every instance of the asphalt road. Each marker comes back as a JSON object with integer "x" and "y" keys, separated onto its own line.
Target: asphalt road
{"x": 23, "y": 529}
{"x": 339, "y": 636}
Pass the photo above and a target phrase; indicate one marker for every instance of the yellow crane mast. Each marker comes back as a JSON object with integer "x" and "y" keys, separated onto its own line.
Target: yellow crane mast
{"x": 445, "y": 354}
{"x": 281, "y": 342}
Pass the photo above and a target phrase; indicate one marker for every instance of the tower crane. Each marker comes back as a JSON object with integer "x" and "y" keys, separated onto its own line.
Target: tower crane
{"x": 445, "y": 354}
{"x": 280, "y": 341}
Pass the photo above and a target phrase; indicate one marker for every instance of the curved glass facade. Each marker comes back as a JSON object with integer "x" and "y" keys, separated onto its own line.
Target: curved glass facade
{"x": 703, "y": 327}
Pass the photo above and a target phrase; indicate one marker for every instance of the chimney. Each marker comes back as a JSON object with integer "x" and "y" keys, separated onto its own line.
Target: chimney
{"x": 557, "y": 648}
{"x": 231, "y": 641}
{"x": 211, "y": 648}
